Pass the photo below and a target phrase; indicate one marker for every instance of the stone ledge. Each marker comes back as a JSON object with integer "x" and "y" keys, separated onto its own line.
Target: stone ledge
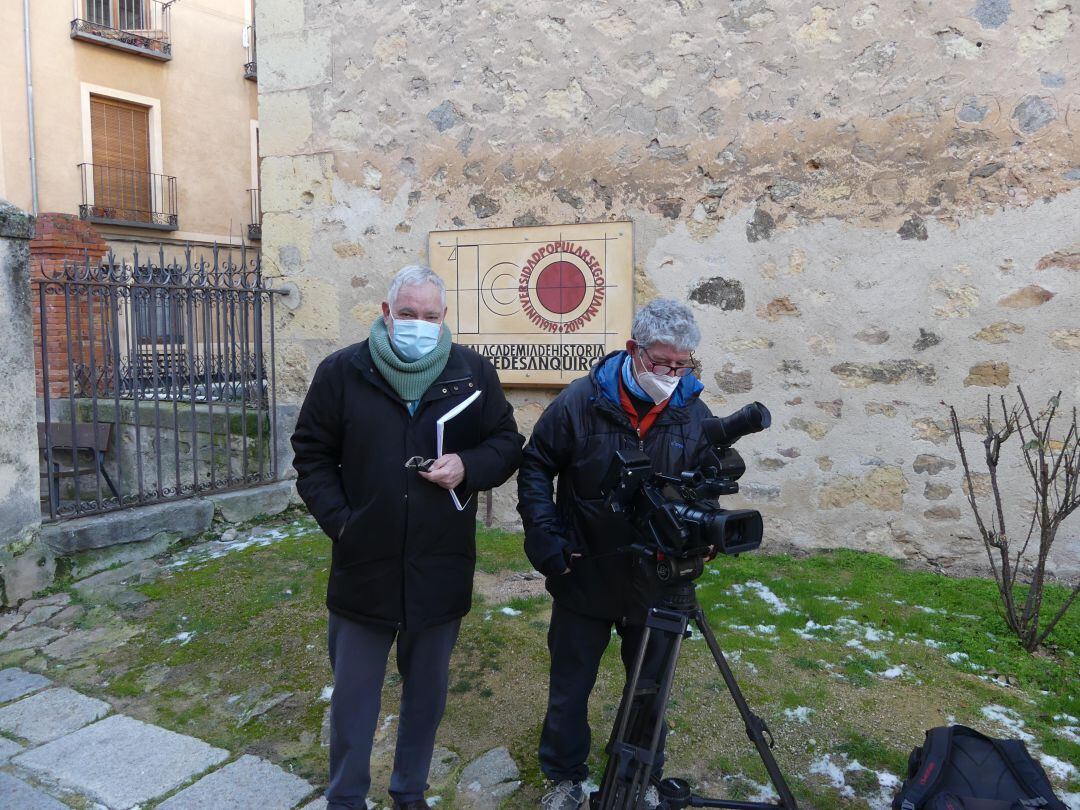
{"x": 243, "y": 505}
{"x": 182, "y": 519}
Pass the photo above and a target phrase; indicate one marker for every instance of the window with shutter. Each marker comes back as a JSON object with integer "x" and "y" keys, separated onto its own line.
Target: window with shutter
{"x": 120, "y": 140}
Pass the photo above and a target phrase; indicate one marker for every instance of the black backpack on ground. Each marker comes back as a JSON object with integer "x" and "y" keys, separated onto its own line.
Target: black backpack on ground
{"x": 957, "y": 768}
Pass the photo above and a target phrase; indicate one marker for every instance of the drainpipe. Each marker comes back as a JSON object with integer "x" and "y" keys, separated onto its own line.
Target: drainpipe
{"x": 30, "y": 108}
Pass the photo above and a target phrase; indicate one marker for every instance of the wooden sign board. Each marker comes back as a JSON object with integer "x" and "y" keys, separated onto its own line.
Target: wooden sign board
{"x": 543, "y": 304}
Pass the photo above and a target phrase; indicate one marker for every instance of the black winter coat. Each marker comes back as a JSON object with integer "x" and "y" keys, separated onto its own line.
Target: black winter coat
{"x": 403, "y": 556}
{"x": 575, "y": 439}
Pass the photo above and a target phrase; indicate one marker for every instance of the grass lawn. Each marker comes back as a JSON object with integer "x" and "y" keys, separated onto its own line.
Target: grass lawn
{"x": 848, "y": 656}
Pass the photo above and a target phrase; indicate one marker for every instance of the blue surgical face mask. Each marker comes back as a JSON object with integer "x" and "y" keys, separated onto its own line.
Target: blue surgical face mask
{"x": 413, "y": 339}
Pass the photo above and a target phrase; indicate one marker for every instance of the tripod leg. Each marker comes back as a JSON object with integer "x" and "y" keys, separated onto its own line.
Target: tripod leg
{"x": 623, "y": 719}
{"x": 755, "y": 726}
{"x": 630, "y": 763}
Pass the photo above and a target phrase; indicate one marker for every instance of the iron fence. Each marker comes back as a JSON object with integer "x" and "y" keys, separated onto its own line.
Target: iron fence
{"x": 157, "y": 380}
{"x": 116, "y": 196}
{"x": 142, "y": 26}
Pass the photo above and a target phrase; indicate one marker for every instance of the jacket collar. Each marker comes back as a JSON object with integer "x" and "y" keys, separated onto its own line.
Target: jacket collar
{"x": 605, "y": 377}
{"x": 456, "y": 376}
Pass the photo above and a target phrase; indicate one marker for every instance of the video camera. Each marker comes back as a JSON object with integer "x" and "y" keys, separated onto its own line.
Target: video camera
{"x": 678, "y": 516}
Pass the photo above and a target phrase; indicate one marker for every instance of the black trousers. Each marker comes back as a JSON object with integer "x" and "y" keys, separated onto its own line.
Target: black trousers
{"x": 358, "y": 657}
{"x": 576, "y": 643}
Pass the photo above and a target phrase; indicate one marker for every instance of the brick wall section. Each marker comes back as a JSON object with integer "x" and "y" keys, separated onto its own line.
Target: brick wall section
{"x": 61, "y": 239}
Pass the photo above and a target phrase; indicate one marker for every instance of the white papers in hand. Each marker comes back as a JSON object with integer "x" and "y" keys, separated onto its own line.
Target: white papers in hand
{"x": 440, "y": 431}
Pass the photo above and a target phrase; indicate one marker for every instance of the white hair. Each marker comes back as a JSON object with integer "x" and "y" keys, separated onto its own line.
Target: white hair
{"x": 665, "y": 320}
{"x": 415, "y": 275}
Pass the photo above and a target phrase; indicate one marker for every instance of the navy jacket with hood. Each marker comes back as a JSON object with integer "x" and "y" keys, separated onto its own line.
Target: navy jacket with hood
{"x": 575, "y": 439}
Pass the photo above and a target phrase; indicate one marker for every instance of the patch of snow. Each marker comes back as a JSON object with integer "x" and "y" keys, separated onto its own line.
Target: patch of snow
{"x": 1063, "y": 770}
{"x": 848, "y": 603}
{"x": 762, "y": 591}
{"x": 433, "y": 800}
{"x": 894, "y": 672}
{"x": 800, "y": 714}
{"x": 325, "y": 694}
{"x": 934, "y": 645}
{"x": 1065, "y": 718}
{"x": 761, "y": 631}
{"x": 834, "y": 773}
{"x": 590, "y": 787}
{"x": 1008, "y": 719}
{"x": 509, "y": 611}
{"x": 807, "y": 632}
{"x": 1072, "y": 800}
{"x": 957, "y": 657}
{"x": 183, "y": 637}
{"x": 219, "y": 548}
{"x": 1070, "y": 733}
{"x": 387, "y": 721}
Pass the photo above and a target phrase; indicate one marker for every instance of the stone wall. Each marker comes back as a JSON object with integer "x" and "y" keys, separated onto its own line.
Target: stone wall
{"x": 24, "y": 567}
{"x": 872, "y": 207}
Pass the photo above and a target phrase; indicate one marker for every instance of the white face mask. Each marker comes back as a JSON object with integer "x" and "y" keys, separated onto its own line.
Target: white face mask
{"x": 658, "y": 387}
{"x": 414, "y": 338}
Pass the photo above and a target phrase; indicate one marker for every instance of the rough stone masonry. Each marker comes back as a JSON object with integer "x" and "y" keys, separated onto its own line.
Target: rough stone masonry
{"x": 873, "y": 207}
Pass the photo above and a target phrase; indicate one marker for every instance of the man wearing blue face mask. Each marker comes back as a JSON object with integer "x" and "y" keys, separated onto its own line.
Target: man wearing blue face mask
{"x": 402, "y": 518}
{"x": 646, "y": 398}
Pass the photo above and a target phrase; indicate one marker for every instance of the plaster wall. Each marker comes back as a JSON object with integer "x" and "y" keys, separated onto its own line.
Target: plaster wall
{"x": 872, "y": 208}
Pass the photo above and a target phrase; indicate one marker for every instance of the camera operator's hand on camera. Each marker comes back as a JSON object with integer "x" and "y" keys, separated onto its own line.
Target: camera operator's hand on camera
{"x": 711, "y": 555}
{"x": 573, "y": 557}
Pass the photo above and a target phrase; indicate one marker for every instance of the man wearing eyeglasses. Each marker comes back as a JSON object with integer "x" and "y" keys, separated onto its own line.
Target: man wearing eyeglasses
{"x": 402, "y": 517}
{"x": 646, "y": 398}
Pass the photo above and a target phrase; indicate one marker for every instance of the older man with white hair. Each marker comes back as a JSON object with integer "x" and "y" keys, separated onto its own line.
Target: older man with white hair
{"x": 398, "y": 505}
{"x": 644, "y": 398}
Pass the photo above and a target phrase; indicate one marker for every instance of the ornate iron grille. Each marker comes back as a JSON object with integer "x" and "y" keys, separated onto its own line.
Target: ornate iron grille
{"x": 173, "y": 361}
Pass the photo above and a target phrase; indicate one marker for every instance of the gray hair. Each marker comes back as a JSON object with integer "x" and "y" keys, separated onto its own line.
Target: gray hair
{"x": 415, "y": 275}
{"x": 665, "y": 320}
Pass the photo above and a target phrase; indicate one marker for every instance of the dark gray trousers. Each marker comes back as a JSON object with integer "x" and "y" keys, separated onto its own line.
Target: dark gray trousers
{"x": 358, "y": 656}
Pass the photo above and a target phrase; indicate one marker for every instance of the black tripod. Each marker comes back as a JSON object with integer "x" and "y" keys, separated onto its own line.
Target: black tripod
{"x": 639, "y": 723}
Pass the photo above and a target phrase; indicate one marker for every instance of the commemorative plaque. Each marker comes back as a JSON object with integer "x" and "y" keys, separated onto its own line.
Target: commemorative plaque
{"x": 544, "y": 303}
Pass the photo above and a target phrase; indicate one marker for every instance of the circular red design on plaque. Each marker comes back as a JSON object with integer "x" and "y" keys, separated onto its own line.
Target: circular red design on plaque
{"x": 560, "y": 287}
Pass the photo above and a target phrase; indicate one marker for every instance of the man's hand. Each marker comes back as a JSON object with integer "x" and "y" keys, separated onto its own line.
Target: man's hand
{"x": 447, "y": 471}
{"x": 573, "y": 558}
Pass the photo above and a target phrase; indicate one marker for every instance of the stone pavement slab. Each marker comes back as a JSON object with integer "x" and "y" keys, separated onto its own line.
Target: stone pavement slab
{"x": 37, "y": 636}
{"x": 120, "y": 761}
{"x": 8, "y": 749}
{"x": 15, "y": 682}
{"x": 318, "y": 804}
{"x": 15, "y": 793}
{"x": 8, "y": 619}
{"x": 248, "y": 782}
{"x": 40, "y": 614}
{"x": 50, "y": 714}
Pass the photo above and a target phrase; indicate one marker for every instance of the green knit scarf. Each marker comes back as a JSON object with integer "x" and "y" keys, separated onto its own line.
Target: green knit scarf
{"x": 409, "y": 378}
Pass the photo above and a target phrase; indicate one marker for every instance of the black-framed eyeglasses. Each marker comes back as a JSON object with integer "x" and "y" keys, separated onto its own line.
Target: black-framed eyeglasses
{"x": 419, "y": 463}
{"x": 665, "y": 370}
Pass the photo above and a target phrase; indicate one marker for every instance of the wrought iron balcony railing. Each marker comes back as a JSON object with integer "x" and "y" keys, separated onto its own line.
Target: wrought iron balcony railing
{"x": 255, "y": 226}
{"x": 251, "y": 67}
{"x": 137, "y": 26}
{"x": 115, "y": 196}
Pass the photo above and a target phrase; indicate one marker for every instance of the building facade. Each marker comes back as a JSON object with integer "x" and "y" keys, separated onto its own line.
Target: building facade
{"x": 871, "y": 206}
{"x": 138, "y": 116}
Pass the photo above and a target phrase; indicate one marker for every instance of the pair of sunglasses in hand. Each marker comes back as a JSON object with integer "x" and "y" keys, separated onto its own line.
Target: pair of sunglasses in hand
{"x": 419, "y": 463}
